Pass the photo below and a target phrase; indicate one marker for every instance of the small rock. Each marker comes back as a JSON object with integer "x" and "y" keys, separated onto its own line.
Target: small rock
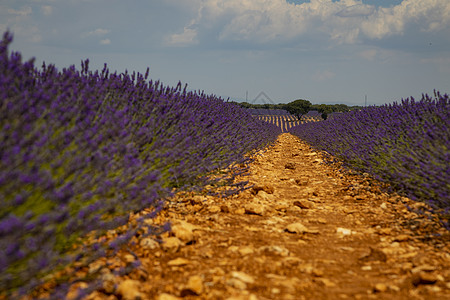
{"x": 129, "y": 289}
{"x": 178, "y": 262}
{"x": 304, "y": 204}
{"x": 165, "y": 296}
{"x": 325, "y": 282}
{"x": 95, "y": 266}
{"x": 311, "y": 154}
{"x": 194, "y": 287}
{"x": 254, "y": 209}
{"x": 426, "y": 268}
{"x": 385, "y": 231}
{"x": 197, "y": 207}
{"x": 149, "y": 244}
{"x": 275, "y": 291}
{"x": 109, "y": 283}
{"x": 317, "y": 272}
{"x": 290, "y": 166}
{"x": 424, "y": 278}
{"x": 224, "y": 208}
{"x": 302, "y": 181}
{"x": 171, "y": 244}
{"x": 406, "y": 267}
{"x": 246, "y": 251}
{"x": 233, "y": 248}
{"x": 281, "y": 207}
{"x": 349, "y": 249}
{"x": 243, "y": 277}
{"x": 383, "y": 205}
{"x": 380, "y": 288}
{"x": 299, "y": 228}
{"x": 129, "y": 258}
{"x": 374, "y": 255}
{"x": 183, "y": 231}
{"x": 262, "y": 187}
{"x": 278, "y": 250}
{"x": 402, "y": 238}
{"x": 296, "y": 228}
{"x": 240, "y": 211}
{"x": 264, "y": 196}
{"x": 236, "y": 283}
{"x": 344, "y": 231}
{"x": 434, "y": 289}
{"x": 214, "y": 209}
{"x": 394, "y": 288}
{"x": 73, "y": 292}
{"x": 318, "y": 220}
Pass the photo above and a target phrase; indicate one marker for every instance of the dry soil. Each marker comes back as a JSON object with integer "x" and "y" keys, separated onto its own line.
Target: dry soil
{"x": 305, "y": 230}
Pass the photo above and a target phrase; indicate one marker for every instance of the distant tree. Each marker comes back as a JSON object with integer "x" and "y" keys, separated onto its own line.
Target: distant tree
{"x": 298, "y": 107}
{"x": 325, "y": 109}
{"x": 245, "y": 105}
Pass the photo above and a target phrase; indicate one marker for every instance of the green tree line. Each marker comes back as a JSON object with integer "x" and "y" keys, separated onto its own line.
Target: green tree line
{"x": 300, "y": 107}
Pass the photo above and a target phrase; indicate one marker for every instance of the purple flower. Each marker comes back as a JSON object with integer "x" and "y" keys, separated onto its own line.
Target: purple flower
{"x": 9, "y": 224}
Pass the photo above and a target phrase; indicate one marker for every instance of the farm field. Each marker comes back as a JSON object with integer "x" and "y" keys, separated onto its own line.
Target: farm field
{"x": 114, "y": 186}
{"x": 286, "y": 122}
{"x": 305, "y": 230}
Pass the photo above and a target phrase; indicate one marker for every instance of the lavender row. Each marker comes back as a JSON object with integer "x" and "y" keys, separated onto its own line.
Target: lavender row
{"x": 285, "y": 122}
{"x": 80, "y": 150}
{"x": 404, "y": 144}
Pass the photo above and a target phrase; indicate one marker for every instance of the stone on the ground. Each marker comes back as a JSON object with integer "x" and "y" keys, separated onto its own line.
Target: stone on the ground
{"x": 149, "y": 244}
{"x": 165, "y": 296}
{"x": 299, "y": 228}
{"x": 244, "y": 277}
{"x": 178, "y": 262}
{"x": 183, "y": 231}
{"x": 129, "y": 289}
{"x": 254, "y": 209}
{"x": 171, "y": 244}
{"x": 194, "y": 287}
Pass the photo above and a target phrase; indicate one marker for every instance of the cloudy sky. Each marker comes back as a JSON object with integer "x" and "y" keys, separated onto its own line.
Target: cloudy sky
{"x": 321, "y": 50}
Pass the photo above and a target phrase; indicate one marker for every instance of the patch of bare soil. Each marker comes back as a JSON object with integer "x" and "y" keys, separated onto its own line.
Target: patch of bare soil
{"x": 306, "y": 230}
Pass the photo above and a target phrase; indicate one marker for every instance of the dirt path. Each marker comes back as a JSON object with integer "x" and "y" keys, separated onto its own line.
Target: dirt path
{"x": 305, "y": 231}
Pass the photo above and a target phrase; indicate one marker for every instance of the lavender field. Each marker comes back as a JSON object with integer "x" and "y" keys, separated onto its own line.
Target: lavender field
{"x": 286, "y": 121}
{"x": 406, "y": 145}
{"x": 80, "y": 150}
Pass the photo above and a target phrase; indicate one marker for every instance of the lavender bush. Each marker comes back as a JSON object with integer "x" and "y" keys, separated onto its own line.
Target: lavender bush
{"x": 404, "y": 144}
{"x": 80, "y": 150}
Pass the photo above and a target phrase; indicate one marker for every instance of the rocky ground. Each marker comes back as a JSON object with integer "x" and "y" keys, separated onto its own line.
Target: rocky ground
{"x": 306, "y": 230}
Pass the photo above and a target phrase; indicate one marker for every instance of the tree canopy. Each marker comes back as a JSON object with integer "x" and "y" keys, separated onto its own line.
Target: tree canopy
{"x": 298, "y": 107}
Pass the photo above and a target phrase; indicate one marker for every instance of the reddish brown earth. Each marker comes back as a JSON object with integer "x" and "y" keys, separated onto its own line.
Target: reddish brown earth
{"x": 306, "y": 230}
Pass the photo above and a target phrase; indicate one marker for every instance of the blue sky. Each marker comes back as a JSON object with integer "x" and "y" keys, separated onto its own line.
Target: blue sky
{"x": 320, "y": 50}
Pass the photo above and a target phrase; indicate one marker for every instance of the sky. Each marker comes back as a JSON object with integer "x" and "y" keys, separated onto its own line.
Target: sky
{"x": 324, "y": 51}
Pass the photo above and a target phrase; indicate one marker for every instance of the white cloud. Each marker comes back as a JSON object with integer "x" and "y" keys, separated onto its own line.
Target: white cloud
{"x": 323, "y": 75}
{"x": 187, "y": 38}
{"x": 24, "y": 11}
{"x": 358, "y": 10}
{"x": 47, "y": 10}
{"x": 20, "y": 22}
{"x": 105, "y": 42}
{"x": 345, "y": 21}
{"x": 369, "y": 54}
{"x": 96, "y": 32}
